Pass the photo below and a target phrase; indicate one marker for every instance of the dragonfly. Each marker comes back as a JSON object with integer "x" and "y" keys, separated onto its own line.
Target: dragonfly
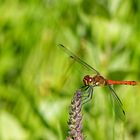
{"x": 98, "y": 80}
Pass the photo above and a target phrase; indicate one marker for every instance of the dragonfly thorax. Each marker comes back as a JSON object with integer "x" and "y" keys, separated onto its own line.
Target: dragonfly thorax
{"x": 96, "y": 80}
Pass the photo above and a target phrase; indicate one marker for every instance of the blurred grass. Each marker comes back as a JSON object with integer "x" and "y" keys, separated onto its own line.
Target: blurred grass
{"x": 37, "y": 80}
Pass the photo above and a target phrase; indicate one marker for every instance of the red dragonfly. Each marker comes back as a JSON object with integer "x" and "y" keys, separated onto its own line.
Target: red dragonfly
{"x": 98, "y": 80}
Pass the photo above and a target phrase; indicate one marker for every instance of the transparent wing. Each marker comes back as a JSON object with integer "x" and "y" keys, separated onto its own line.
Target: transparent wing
{"x": 117, "y": 104}
{"x": 76, "y": 58}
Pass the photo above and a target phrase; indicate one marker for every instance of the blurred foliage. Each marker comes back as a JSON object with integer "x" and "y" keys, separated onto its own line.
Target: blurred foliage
{"x": 37, "y": 80}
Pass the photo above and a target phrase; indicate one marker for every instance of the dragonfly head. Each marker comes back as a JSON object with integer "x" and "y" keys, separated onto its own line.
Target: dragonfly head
{"x": 91, "y": 81}
{"x": 88, "y": 80}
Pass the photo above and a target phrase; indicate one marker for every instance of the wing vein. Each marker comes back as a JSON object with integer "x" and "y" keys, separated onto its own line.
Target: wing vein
{"x": 73, "y": 56}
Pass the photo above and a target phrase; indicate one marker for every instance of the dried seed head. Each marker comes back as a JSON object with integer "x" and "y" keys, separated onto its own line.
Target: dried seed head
{"x": 75, "y": 120}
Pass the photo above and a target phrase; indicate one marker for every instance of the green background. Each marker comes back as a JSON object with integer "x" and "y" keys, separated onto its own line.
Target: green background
{"x": 38, "y": 80}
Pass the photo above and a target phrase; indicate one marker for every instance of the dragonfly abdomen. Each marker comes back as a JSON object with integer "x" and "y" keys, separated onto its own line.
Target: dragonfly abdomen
{"x": 112, "y": 82}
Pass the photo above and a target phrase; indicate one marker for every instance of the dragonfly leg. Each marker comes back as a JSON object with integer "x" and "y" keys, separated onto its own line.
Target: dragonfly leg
{"x": 88, "y": 97}
{"x": 83, "y": 88}
{"x": 85, "y": 91}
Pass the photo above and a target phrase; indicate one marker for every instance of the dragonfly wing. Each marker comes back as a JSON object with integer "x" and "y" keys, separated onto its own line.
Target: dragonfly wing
{"x": 117, "y": 104}
{"x": 76, "y": 58}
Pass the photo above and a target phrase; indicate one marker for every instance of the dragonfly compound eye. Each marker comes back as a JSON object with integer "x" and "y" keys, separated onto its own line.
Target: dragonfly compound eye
{"x": 87, "y": 80}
